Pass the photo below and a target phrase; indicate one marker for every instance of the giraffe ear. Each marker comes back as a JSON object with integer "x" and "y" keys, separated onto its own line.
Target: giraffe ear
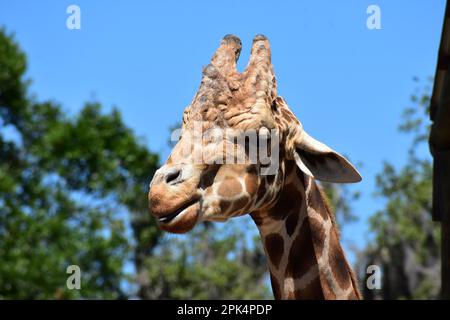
{"x": 323, "y": 163}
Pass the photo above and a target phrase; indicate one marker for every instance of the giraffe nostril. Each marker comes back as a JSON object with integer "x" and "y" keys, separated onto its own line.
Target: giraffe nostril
{"x": 173, "y": 176}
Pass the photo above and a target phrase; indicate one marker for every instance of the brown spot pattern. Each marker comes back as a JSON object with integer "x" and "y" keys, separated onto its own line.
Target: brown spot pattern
{"x": 301, "y": 255}
{"x": 229, "y": 188}
{"x": 270, "y": 178}
{"x": 275, "y": 248}
{"x": 224, "y": 205}
{"x": 262, "y": 190}
{"x": 290, "y": 167}
{"x": 317, "y": 202}
{"x": 317, "y": 235}
{"x": 291, "y": 222}
{"x": 337, "y": 261}
{"x": 257, "y": 218}
{"x": 240, "y": 204}
{"x": 275, "y": 287}
{"x": 290, "y": 195}
{"x": 313, "y": 291}
{"x": 251, "y": 183}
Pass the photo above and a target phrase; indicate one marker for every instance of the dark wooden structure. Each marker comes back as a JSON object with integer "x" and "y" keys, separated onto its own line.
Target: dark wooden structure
{"x": 440, "y": 149}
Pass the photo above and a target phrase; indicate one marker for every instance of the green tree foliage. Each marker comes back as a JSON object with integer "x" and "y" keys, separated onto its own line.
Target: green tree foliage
{"x": 211, "y": 262}
{"x": 64, "y": 184}
{"x": 406, "y": 241}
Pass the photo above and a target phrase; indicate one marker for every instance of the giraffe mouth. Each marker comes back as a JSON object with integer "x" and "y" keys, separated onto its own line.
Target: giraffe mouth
{"x": 178, "y": 212}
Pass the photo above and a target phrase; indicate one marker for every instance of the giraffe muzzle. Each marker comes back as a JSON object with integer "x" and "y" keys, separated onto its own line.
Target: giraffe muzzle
{"x": 182, "y": 220}
{"x": 171, "y": 216}
{"x": 173, "y": 199}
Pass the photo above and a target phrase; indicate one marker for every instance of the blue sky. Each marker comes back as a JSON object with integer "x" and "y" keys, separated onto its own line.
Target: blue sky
{"x": 347, "y": 84}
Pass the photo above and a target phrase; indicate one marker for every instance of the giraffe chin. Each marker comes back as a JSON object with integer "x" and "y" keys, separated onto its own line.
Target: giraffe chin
{"x": 184, "y": 221}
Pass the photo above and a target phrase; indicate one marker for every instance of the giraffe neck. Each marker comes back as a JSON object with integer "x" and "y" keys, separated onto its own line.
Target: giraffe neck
{"x": 301, "y": 242}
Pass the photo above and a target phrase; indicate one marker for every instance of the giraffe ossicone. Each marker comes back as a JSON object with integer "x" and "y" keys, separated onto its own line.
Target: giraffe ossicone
{"x": 297, "y": 228}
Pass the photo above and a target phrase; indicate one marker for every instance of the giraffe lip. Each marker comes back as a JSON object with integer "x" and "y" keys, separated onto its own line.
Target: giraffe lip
{"x": 169, "y": 217}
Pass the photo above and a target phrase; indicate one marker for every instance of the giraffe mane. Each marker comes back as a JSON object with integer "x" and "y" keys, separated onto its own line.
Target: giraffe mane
{"x": 329, "y": 209}
{"x": 332, "y": 215}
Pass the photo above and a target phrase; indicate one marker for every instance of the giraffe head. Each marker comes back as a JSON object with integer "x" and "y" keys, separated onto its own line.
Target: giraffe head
{"x": 237, "y": 141}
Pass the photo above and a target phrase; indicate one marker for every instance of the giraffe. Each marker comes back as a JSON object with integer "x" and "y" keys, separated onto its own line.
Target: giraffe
{"x": 297, "y": 228}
